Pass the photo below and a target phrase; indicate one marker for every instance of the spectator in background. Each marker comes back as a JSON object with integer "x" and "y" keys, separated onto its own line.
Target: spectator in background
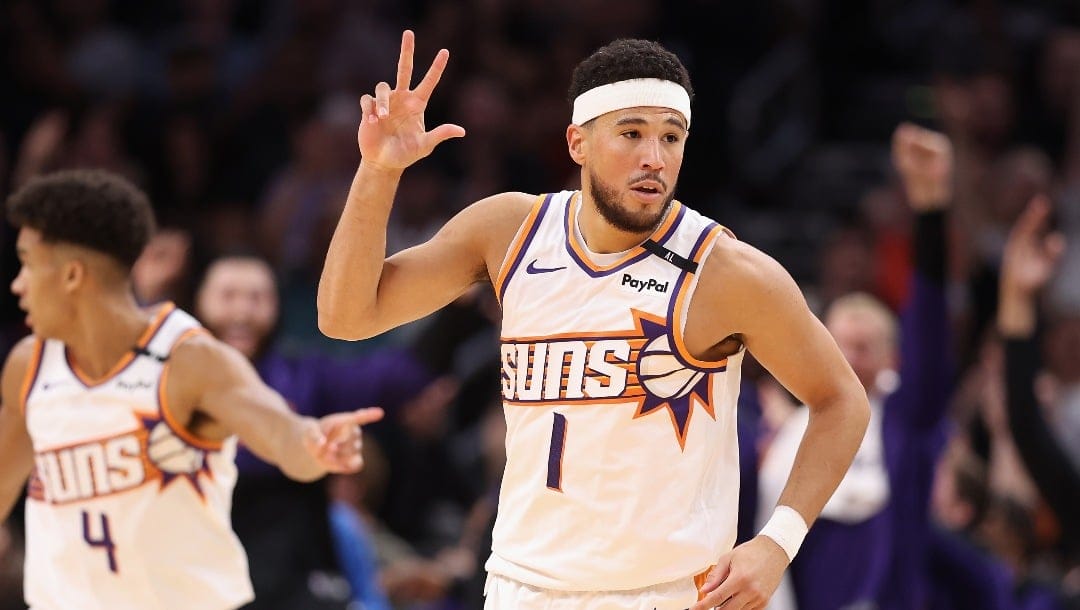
{"x": 1061, "y": 382}
{"x": 1031, "y": 255}
{"x": 282, "y": 524}
{"x": 298, "y": 210}
{"x": 163, "y": 271}
{"x": 847, "y": 266}
{"x": 306, "y": 195}
{"x": 40, "y": 146}
{"x": 868, "y": 546}
{"x": 979, "y": 410}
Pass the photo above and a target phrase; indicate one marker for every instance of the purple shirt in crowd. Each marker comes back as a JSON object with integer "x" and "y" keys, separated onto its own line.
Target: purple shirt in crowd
{"x": 879, "y": 563}
{"x": 318, "y": 386}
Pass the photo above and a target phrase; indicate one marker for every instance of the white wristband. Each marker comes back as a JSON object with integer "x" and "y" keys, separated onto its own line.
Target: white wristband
{"x": 786, "y": 528}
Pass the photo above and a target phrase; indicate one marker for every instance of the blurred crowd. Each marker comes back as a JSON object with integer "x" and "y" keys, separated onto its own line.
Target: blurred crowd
{"x": 239, "y": 118}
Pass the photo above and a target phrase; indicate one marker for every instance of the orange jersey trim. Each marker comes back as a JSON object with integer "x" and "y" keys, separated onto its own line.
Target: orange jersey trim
{"x": 677, "y": 322}
{"x": 699, "y": 581}
{"x": 635, "y": 336}
{"x": 144, "y": 339}
{"x": 517, "y": 247}
{"x": 180, "y": 429}
{"x": 659, "y": 235}
{"x": 634, "y": 400}
{"x": 153, "y": 475}
{"x": 31, "y": 375}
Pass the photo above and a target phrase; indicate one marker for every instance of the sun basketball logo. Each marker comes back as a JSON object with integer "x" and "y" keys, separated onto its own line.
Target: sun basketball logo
{"x": 637, "y": 366}
{"x": 662, "y": 374}
{"x": 171, "y": 454}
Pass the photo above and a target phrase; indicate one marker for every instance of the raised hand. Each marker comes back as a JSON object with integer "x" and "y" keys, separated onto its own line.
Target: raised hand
{"x": 924, "y": 159}
{"x": 161, "y": 266}
{"x": 392, "y": 135}
{"x": 337, "y": 442}
{"x": 41, "y": 145}
{"x": 1031, "y": 255}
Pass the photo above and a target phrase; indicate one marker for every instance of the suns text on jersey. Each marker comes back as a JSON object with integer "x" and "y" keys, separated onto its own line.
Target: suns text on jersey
{"x": 91, "y": 469}
{"x": 570, "y": 369}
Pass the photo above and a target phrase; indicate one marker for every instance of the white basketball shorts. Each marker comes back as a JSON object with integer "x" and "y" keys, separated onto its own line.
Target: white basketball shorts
{"x": 502, "y": 593}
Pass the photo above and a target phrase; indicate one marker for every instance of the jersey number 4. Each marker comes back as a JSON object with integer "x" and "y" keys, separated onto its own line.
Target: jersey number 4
{"x": 102, "y": 540}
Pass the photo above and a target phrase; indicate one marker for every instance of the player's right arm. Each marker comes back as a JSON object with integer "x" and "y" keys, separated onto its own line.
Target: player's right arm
{"x": 16, "y": 451}
{"x": 361, "y": 293}
{"x": 212, "y": 379}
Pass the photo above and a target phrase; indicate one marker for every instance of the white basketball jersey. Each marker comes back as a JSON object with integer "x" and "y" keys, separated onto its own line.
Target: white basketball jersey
{"x": 126, "y": 509}
{"x": 622, "y": 456}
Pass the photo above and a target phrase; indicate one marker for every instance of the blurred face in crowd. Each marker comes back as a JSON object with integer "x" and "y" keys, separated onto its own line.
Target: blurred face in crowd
{"x": 1060, "y": 64}
{"x": 1017, "y": 177}
{"x": 864, "y": 331}
{"x": 631, "y": 159}
{"x": 238, "y": 302}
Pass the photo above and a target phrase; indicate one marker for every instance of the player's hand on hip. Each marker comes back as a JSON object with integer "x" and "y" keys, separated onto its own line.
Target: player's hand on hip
{"x": 744, "y": 578}
{"x": 337, "y": 443}
{"x": 392, "y": 135}
{"x": 924, "y": 159}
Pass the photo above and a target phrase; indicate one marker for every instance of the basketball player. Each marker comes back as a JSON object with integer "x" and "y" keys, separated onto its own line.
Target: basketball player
{"x": 625, "y": 319}
{"x": 126, "y": 420}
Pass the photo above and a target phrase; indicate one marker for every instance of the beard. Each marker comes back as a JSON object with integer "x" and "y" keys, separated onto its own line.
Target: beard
{"x": 607, "y": 203}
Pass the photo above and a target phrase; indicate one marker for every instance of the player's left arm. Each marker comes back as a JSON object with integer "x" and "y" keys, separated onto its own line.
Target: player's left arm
{"x": 16, "y": 449}
{"x": 211, "y": 378}
{"x": 763, "y": 307}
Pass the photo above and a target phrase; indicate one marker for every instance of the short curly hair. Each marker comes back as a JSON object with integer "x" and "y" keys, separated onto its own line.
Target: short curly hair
{"x": 94, "y": 209}
{"x": 625, "y": 59}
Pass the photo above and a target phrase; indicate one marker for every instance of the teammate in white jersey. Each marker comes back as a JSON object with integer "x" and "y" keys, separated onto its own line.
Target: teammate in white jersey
{"x": 625, "y": 315}
{"x": 126, "y": 421}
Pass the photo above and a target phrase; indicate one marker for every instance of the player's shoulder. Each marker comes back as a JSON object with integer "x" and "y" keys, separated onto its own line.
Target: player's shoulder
{"x": 491, "y": 223}
{"x": 21, "y": 356}
{"x": 18, "y": 366}
{"x": 735, "y": 266}
{"x": 510, "y": 200}
{"x": 507, "y": 208}
{"x": 733, "y": 256}
{"x": 201, "y": 356}
{"x": 24, "y": 350}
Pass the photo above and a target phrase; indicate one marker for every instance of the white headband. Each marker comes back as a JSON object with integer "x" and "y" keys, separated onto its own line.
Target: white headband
{"x": 631, "y": 94}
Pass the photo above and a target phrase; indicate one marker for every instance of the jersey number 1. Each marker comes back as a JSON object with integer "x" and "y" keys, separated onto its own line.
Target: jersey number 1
{"x": 555, "y": 453}
{"x": 104, "y": 541}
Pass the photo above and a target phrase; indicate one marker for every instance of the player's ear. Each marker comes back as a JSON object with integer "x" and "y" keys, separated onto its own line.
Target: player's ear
{"x": 576, "y": 143}
{"x": 73, "y": 274}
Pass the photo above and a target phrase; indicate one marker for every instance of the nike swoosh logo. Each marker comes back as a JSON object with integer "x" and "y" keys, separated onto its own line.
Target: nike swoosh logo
{"x": 532, "y": 268}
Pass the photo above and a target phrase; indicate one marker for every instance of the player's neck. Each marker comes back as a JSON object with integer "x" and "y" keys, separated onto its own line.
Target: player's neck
{"x": 105, "y": 329}
{"x": 602, "y": 238}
